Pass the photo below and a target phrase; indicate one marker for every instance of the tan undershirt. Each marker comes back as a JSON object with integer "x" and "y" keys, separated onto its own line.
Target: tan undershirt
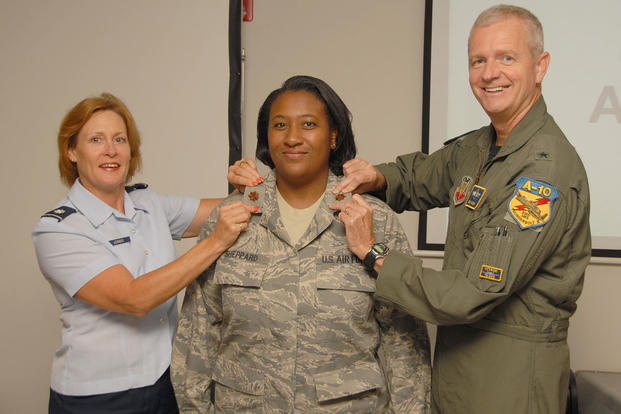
{"x": 296, "y": 220}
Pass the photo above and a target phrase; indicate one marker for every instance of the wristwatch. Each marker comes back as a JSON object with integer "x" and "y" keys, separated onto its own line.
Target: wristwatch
{"x": 377, "y": 250}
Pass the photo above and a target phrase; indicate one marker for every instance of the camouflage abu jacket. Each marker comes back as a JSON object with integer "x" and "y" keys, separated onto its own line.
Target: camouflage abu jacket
{"x": 276, "y": 328}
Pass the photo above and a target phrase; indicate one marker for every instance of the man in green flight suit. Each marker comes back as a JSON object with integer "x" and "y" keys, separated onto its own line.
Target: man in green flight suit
{"x": 518, "y": 240}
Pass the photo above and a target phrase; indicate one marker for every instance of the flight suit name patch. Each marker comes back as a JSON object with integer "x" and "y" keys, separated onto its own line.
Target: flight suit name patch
{"x": 491, "y": 273}
{"x": 531, "y": 204}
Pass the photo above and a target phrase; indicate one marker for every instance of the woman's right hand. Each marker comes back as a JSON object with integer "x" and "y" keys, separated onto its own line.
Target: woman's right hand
{"x": 244, "y": 173}
{"x": 233, "y": 218}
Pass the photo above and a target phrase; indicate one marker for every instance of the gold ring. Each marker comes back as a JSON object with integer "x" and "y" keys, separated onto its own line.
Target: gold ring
{"x": 242, "y": 162}
{"x": 346, "y": 211}
{"x": 241, "y": 226}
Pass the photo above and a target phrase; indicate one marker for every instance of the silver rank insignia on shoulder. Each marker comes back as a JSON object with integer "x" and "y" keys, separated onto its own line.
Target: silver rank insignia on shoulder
{"x": 462, "y": 190}
{"x": 531, "y": 204}
{"x": 476, "y": 197}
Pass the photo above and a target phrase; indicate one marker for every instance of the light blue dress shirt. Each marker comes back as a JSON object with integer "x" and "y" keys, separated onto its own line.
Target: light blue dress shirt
{"x": 104, "y": 351}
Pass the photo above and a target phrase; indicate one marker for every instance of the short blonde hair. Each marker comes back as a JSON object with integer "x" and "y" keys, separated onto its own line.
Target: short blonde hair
{"x": 503, "y": 11}
{"x": 75, "y": 120}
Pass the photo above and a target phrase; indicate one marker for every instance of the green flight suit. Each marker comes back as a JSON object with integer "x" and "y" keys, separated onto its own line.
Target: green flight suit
{"x": 513, "y": 267}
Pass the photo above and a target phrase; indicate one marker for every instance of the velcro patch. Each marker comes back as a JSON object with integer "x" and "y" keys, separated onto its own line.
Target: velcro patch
{"x": 531, "y": 204}
{"x": 476, "y": 196}
{"x": 462, "y": 190}
{"x": 491, "y": 273}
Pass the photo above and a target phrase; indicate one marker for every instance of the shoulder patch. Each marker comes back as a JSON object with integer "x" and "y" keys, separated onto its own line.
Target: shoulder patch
{"x": 137, "y": 186}
{"x": 445, "y": 143}
{"x": 531, "y": 204}
{"x": 60, "y": 213}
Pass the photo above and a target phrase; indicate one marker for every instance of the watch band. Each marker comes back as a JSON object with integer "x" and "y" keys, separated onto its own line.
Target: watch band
{"x": 376, "y": 251}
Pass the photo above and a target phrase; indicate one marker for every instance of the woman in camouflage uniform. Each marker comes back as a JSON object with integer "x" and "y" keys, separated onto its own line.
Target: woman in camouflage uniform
{"x": 285, "y": 321}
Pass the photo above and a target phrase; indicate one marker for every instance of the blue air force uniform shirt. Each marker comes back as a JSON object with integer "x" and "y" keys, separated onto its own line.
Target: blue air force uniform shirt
{"x": 104, "y": 351}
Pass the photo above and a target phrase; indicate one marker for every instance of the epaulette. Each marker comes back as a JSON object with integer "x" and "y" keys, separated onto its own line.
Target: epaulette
{"x": 457, "y": 137}
{"x": 137, "y": 186}
{"x": 60, "y": 213}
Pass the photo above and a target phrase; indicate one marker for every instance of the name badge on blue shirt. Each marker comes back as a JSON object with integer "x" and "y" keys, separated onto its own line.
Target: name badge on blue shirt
{"x": 119, "y": 241}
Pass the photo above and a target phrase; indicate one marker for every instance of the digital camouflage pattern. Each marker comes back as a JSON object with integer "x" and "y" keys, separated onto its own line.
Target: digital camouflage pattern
{"x": 276, "y": 328}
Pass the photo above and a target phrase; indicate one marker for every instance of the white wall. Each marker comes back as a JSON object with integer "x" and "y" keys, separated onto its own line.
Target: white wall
{"x": 168, "y": 61}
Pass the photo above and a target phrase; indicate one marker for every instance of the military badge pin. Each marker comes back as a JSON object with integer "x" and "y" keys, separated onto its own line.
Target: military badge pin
{"x": 254, "y": 195}
{"x": 462, "y": 190}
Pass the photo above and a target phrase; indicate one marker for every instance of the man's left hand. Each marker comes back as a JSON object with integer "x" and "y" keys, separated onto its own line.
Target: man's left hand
{"x": 357, "y": 217}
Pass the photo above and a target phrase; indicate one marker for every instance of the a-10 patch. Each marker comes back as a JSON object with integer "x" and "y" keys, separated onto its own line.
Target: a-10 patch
{"x": 531, "y": 204}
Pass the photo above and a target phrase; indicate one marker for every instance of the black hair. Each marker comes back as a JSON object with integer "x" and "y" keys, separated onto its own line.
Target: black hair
{"x": 339, "y": 119}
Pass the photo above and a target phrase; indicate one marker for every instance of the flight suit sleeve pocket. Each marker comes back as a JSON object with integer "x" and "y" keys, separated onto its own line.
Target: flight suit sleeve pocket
{"x": 489, "y": 264}
{"x": 361, "y": 376}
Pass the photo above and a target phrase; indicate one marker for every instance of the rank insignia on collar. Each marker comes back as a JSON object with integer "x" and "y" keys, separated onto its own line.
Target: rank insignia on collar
{"x": 531, "y": 204}
{"x": 462, "y": 190}
{"x": 476, "y": 196}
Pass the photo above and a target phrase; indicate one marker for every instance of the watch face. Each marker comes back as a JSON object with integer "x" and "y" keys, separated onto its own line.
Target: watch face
{"x": 380, "y": 249}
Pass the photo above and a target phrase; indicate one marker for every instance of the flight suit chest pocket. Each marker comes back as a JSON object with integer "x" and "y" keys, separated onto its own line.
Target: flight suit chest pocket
{"x": 488, "y": 267}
